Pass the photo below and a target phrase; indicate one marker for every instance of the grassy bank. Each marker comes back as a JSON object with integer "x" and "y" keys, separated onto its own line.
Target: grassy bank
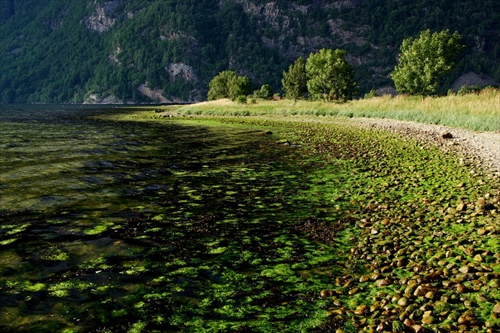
{"x": 474, "y": 112}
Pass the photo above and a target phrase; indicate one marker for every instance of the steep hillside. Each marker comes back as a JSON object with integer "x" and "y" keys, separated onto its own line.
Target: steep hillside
{"x": 54, "y": 51}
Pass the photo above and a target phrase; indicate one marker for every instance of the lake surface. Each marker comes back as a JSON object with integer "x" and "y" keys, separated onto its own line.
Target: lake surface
{"x": 111, "y": 226}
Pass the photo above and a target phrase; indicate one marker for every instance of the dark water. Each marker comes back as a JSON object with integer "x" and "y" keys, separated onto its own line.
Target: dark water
{"x": 110, "y": 226}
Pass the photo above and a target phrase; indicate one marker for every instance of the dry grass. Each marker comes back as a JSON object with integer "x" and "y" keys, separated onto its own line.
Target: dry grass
{"x": 479, "y": 112}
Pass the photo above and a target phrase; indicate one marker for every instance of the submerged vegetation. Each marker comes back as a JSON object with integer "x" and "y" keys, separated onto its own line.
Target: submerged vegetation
{"x": 247, "y": 224}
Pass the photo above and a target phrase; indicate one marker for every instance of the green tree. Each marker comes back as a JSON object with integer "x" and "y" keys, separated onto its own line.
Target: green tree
{"x": 295, "y": 80}
{"x": 228, "y": 85}
{"x": 239, "y": 86}
{"x": 330, "y": 76}
{"x": 218, "y": 87}
{"x": 423, "y": 61}
{"x": 265, "y": 92}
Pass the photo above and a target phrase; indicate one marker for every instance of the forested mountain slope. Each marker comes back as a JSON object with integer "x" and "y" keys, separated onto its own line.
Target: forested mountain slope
{"x": 54, "y": 51}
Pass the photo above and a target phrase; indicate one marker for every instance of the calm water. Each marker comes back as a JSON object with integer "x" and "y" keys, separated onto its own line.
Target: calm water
{"x": 129, "y": 226}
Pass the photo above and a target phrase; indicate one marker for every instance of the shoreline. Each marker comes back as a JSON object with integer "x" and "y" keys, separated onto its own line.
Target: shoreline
{"x": 478, "y": 149}
{"x": 481, "y": 149}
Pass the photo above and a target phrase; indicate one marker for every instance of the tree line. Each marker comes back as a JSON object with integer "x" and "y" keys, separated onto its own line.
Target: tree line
{"x": 422, "y": 63}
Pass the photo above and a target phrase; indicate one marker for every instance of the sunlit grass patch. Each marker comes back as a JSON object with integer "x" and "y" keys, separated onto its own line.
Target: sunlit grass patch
{"x": 480, "y": 112}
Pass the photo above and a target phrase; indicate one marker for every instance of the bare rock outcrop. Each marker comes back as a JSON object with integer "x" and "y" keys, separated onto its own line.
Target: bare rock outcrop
{"x": 155, "y": 94}
{"x": 102, "y": 19}
{"x": 181, "y": 71}
{"x": 98, "y": 99}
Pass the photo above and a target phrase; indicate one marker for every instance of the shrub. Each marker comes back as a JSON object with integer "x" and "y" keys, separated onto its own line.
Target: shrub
{"x": 265, "y": 92}
{"x": 242, "y": 99}
{"x": 371, "y": 94}
{"x": 465, "y": 90}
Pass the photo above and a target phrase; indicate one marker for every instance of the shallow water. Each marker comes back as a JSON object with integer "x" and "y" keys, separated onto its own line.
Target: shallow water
{"x": 129, "y": 226}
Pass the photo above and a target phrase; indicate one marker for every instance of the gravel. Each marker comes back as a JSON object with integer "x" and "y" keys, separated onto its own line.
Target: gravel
{"x": 479, "y": 149}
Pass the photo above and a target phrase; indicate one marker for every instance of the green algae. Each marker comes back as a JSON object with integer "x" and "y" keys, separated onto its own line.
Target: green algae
{"x": 236, "y": 233}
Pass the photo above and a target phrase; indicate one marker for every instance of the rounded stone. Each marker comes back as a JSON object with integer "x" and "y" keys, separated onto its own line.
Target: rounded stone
{"x": 364, "y": 278}
{"x": 468, "y": 303}
{"x": 442, "y": 262}
{"x": 403, "y": 301}
{"x": 360, "y": 310}
{"x": 460, "y": 288}
{"x": 464, "y": 269}
{"x": 326, "y": 293}
{"x": 353, "y": 291}
{"x": 381, "y": 283}
{"x": 418, "y": 328}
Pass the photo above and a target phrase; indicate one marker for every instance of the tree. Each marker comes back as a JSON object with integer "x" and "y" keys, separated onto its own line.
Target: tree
{"x": 239, "y": 86}
{"x": 218, "y": 87}
{"x": 423, "y": 61}
{"x": 228, "y": 85}
{"x": 265, "y": 92}
{"x": 330, "y": 76}
{"x": 295, "y": 80}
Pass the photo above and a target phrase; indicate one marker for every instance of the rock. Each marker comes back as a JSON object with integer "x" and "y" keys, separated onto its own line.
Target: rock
{"x": 478, "y": 258}
{"x": 418, "y": 329}
{"x": 428, "y": 320}
{"x": 381, "y": 282}
{"x": 466, "y": 318}
{"x": 284, "y": 142}
{"x": 326, "y": 293}
{"x": 364, "y": 278}
{"x": 460, "y": 288}
{"x": 480, "y": 204}
{"x": 496, "y": 308}
{"x": 408, "y": 322}
{"x": 360, "y": 310}
{"x": 461, "y": 206}
{"x": 353, "y": 291}
{"x": 403, "y": 301}
{"x": 339, "y": 312}
{"x": 429, "y": 295}
{"x": 468, "y": 303}
{"x": 451, "y": 211}
{"x": 181, "y": 70}
{"x": 422, "y": 290}
{"x": 446, "y": 283}
{"x": 103, "y": 18}
{"x": 464, "y": 269}
{"x": 381, "y": 327}
{"x": 481, "y": 232}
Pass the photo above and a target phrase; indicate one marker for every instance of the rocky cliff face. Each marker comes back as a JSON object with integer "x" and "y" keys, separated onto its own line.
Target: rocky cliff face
{"x": 102, "y": 19}
{"x": 287, "y": 22}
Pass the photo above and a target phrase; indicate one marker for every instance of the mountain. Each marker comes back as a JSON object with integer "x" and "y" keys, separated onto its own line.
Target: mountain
{"x": 99, "y": 51}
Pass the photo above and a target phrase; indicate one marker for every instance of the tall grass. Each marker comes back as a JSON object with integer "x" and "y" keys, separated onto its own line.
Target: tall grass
{"x": 478, "y": 112}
